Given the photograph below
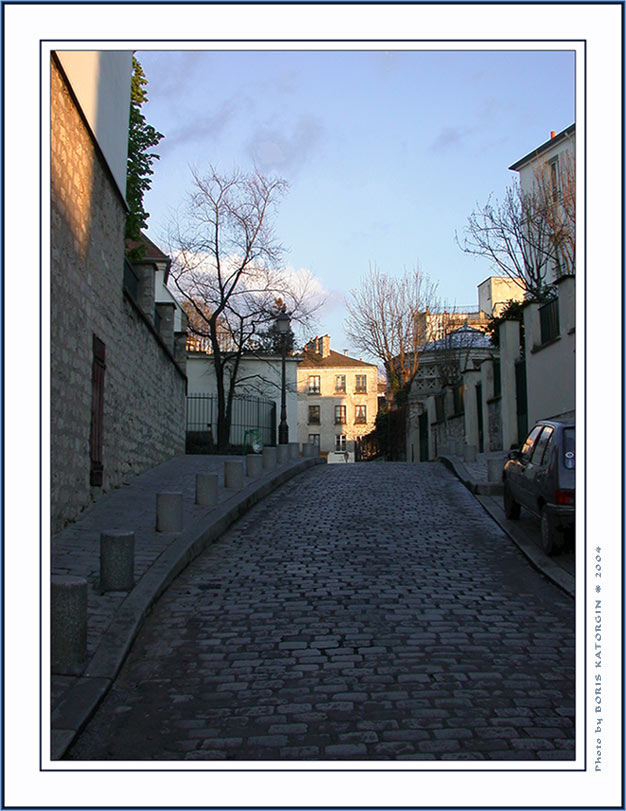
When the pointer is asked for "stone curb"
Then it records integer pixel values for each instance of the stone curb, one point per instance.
(483, 493)
(79, 702)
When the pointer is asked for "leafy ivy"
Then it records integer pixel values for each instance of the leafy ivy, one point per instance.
(142, 137)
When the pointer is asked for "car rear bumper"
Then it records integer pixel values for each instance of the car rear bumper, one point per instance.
(561, 516)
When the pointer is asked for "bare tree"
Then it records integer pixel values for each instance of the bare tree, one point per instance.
(387, 319)
(529, 234)
(227, 270)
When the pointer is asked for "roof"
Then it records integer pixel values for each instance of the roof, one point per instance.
(153, 252)
(566, 133)
(312, 360)
(463, 338)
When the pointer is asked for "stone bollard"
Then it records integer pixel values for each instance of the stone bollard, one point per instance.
(283, 454)
(269, 458)
(254, 465)
(206, 489)
(169, 508)
(68, 625)
(308, 449)
(469, 453)
(494, 470)
(117, 561)
(294, 450)
(233, 474)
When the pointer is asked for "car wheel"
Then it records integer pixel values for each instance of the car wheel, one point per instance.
(511, 507)
(550, 537)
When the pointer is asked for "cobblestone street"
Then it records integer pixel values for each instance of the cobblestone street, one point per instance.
(359, 612)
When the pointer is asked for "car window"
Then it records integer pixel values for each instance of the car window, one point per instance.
(529, 442)
(539, 454)
(569, 448)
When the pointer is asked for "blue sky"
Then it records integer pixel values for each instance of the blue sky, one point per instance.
(386, 152)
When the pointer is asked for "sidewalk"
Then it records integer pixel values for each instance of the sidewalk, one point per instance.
(114, 618)
(524, 532)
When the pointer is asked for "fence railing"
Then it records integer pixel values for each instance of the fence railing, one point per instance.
(248, 413)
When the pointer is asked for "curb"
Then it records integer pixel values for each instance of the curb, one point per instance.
(80, 700)
(483, 494)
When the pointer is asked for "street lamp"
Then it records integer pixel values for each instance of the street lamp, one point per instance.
(282, 324)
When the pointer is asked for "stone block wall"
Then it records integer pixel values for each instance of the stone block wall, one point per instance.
(494, 425)
(144, 390)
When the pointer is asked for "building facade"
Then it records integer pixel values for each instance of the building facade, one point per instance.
(337, 398)
(117, 389)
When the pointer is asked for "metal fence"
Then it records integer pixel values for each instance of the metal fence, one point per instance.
(248, 413)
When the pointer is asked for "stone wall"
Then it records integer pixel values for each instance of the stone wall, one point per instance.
(143, 390)
(443, 433)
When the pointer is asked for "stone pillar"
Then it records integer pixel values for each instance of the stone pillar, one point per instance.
(283, 454)
(206, 489)
(254, 465)
(308, 449)
(169, 509)
(165, 311)
(117, 561)
(509, 353)
(294, 450)
(68, 625)
(494, 470)
(233, 474)
(269, 458)
(469, 453)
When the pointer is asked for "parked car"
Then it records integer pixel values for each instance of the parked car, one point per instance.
(541, 476)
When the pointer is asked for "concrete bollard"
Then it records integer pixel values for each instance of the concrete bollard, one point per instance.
(269, 458)
(494, 470)
(254, 465)
(233, 474)
(68, 625)
(294, 450)
(308, 449)
(169, 509)
(283, 454)
(469, 453)
(117, 561)
(206, 489)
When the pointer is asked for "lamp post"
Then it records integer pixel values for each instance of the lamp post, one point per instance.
(282, 323)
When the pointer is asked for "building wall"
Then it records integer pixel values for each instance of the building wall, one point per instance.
(495, 292)
(144, 390)
(551, 368)
(264, 380)
(328, 399)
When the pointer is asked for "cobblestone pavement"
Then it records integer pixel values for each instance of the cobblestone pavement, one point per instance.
(360, 612)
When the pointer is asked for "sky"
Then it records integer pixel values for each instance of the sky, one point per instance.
(386, 153)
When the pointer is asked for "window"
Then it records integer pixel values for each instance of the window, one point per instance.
(314, 384)
(555, 189)
(540, 456)
(97, 412)
(340, 442)
(549, 321)
(340, 415)
(361, 414)
(314, 415)
(361, 384)
(314, 439)
(340, 383)
(529, 442)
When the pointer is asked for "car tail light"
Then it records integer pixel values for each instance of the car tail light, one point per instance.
(564, 496)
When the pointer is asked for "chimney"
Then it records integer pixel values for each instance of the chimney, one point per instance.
(324, 343)
(552, 134)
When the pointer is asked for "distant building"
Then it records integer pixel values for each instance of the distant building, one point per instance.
(337, 397)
